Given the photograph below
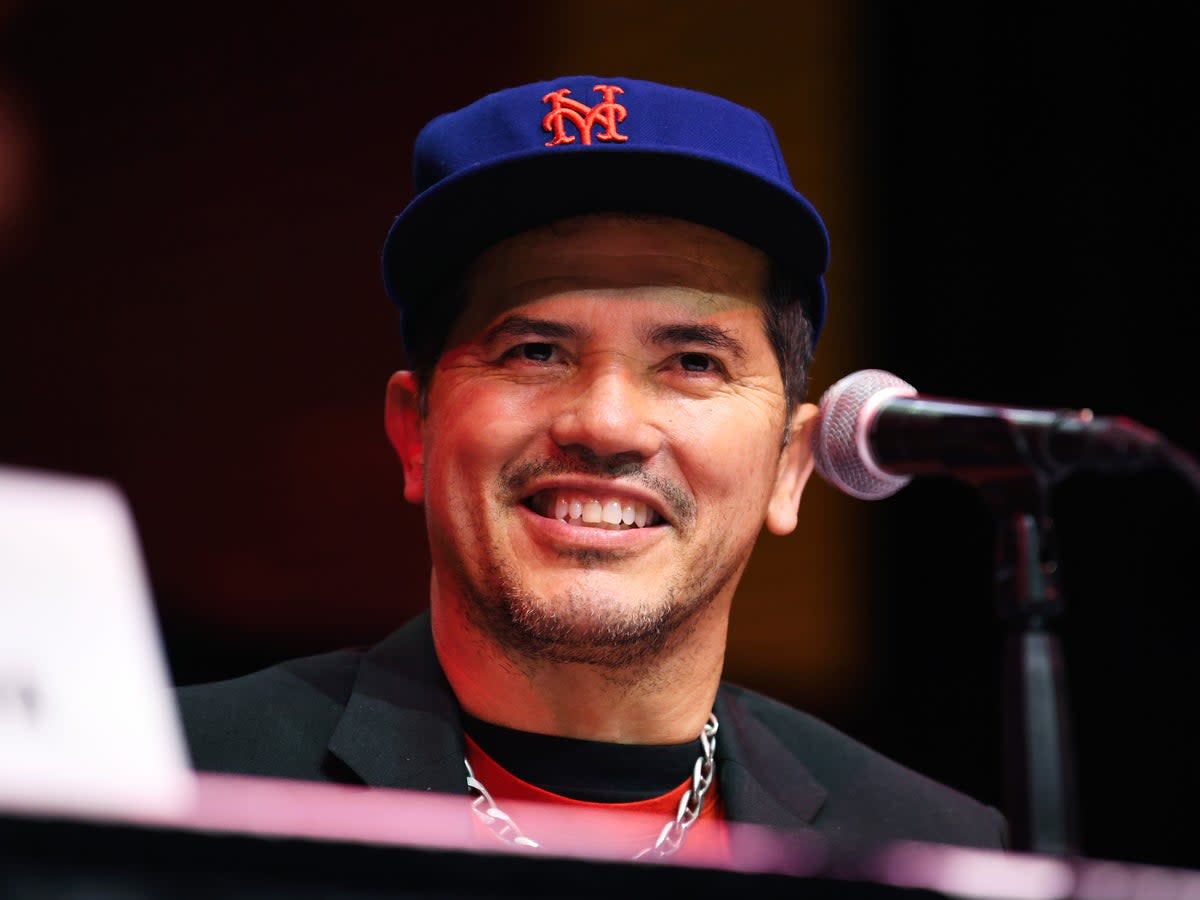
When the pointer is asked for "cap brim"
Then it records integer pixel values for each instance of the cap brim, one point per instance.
(449, 225)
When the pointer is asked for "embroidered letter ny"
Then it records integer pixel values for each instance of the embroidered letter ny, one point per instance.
(608, 113)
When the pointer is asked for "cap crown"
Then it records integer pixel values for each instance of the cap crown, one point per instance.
(528, 155)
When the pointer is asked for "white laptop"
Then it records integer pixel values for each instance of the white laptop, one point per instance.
(88, 725)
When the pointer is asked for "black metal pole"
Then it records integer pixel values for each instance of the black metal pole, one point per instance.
(1040, 774)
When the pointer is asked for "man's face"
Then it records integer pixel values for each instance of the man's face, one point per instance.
(604, 437)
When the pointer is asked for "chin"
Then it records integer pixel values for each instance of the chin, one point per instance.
(577, 624)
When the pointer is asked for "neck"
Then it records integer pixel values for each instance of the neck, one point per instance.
(665, 699)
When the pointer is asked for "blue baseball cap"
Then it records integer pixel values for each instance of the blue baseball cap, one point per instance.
(530, 155)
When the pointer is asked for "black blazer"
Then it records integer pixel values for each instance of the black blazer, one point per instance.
(386, 717)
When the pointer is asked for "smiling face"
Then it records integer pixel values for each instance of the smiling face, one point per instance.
(604, 438)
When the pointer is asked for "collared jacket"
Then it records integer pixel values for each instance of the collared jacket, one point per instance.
(387, 717)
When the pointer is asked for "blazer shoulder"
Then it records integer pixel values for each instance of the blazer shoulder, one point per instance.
(273, 722)
(868, 792)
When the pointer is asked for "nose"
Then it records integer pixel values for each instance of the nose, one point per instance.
(608, 414)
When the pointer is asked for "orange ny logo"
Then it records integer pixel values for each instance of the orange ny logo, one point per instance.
(607, 113)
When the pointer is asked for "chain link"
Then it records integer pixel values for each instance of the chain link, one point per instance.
(496, 819)
(669, 840)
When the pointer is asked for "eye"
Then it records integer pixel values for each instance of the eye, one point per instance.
(536, 352)
(697, 362)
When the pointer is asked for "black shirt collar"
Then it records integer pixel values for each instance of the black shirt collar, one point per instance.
(594, 771)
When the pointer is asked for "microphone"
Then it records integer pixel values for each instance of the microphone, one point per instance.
(874, 433)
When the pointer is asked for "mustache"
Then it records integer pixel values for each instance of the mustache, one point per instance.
(678, 504)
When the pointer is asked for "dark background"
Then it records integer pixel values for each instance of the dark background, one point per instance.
(191, 307)
(1038, 226)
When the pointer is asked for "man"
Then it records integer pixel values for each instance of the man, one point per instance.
(610, 292)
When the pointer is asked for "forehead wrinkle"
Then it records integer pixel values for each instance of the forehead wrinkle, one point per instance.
(617, 282)
(611, 258)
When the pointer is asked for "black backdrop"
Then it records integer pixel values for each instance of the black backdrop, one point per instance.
(1033, 235)
(1039, 243)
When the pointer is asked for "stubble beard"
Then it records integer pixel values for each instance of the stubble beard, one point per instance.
(580, 626)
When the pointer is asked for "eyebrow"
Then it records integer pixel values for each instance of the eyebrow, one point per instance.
(527, 326)
(697, 333)
(675, 334)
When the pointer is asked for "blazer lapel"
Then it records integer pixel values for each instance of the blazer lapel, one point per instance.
(760, 779)
(401, 726)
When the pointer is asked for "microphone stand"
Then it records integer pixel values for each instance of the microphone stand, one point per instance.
(1040, 775)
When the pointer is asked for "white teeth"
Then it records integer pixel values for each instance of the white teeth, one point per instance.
(607, 513)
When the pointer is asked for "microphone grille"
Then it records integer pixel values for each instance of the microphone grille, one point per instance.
(841, 454)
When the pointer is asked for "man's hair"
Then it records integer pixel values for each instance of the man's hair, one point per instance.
(786, 319)
(790, 331)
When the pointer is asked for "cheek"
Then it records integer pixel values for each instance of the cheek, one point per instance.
(732, 458)
(472, 432)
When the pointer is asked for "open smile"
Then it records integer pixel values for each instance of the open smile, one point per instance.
(610, 512)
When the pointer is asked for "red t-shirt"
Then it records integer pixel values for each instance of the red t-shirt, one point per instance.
(610, 830)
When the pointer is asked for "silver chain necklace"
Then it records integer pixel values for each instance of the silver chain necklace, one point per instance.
(669, 839)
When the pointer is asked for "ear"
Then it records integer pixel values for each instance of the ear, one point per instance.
(402, 419)
(795, 465)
